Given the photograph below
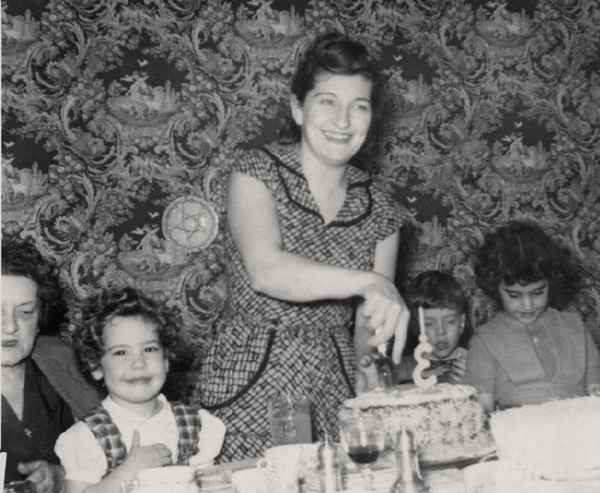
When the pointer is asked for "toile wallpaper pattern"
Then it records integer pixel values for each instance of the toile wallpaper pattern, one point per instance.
(121, 119)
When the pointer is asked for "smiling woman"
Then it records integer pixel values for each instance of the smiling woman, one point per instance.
(313, 242)
(42, 390)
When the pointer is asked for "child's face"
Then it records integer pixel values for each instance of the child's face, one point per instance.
(524, 303)
(133, 365)
(443, 327)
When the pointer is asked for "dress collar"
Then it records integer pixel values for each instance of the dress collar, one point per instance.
(358, 202)
(118, 412)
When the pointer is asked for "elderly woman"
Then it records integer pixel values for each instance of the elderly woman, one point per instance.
(314, 241)
(42, 390)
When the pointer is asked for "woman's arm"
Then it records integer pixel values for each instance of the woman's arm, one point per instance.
(252, 218)
(369, 316)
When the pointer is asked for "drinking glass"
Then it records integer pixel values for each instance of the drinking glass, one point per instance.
(289, 414)
(363, 439)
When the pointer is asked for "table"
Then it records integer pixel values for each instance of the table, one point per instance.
(448, 480)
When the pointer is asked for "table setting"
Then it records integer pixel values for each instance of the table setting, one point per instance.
(381, 451)
(259, 475)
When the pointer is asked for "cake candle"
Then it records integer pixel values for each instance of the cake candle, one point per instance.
(422, 363)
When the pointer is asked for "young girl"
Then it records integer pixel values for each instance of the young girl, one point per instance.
(445, 310)
(530, 352)
(124, 345)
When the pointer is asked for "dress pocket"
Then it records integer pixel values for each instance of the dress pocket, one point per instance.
(234, 364)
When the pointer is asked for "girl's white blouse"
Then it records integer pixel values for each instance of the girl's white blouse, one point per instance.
(84, 460)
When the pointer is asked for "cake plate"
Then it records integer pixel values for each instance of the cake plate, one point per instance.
(458, 462)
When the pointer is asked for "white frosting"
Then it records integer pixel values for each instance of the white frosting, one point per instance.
(410, 395)
(446, 420)
(554, 439)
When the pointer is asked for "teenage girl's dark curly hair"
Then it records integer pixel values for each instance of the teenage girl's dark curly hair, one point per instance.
(436, 289)
(88, 342)
(521, 252)
(335, 53)
(22, 258)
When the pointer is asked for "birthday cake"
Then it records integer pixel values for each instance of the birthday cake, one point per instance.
(447, 422)
(557, 439)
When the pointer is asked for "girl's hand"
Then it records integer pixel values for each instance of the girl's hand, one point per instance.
(48, 478)
(139, 458)
(385, 308)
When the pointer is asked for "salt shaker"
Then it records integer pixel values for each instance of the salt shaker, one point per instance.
(407, 459)
(329, 467)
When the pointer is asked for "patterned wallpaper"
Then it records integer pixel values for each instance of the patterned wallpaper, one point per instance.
(121, 119)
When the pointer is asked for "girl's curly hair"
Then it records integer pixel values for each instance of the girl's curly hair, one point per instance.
(88, 342)
(22, 258)
(520, 251)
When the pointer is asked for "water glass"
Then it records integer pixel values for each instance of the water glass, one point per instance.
(290, 419)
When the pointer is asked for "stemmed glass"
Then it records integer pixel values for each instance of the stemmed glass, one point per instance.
(363, 439)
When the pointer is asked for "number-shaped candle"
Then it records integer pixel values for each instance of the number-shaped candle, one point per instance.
(422, 363)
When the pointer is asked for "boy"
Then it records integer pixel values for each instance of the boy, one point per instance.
(445, 312)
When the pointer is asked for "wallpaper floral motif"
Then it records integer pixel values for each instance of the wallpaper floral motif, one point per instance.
(121, 119)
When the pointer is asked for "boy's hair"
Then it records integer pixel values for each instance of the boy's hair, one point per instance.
(435, 289)
(521, 252)
(88, 341)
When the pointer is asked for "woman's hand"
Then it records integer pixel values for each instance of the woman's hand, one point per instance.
(155, 455)
(367, 376)
(388, 316)
(48, 478)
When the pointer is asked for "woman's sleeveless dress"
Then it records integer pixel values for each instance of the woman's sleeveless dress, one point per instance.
(265, 345)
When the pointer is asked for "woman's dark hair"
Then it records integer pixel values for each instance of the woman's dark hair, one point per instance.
(436, 289)
(521, 252)
(22, 258)
(333, 53)
(88, 341)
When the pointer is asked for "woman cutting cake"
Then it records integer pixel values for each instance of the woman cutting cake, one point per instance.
(313, 241)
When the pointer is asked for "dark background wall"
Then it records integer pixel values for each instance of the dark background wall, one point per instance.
(120, 121)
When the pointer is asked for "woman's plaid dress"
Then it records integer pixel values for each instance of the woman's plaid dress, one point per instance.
(268, 345)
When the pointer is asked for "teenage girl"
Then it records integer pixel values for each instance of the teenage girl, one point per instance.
(532, 350)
